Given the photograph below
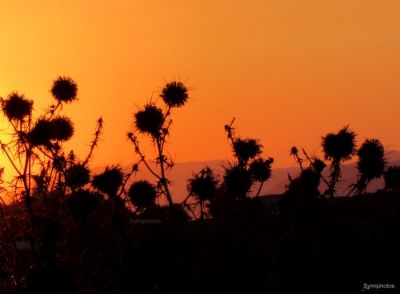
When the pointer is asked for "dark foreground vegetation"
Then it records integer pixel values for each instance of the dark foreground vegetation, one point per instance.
(69, 231)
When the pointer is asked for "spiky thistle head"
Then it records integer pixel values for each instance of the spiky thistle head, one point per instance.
(64, 89)
(63, 128)
(260, 169)
(142, 194)
(237, 180)
(246, 149)
(109, 181)
(174, 94)
(371, 159)
(41, 133)
(318, 165)
(77, 176)
(150, 120)
(294, 151)
(339, 146)
(16, 106)
(203, 184)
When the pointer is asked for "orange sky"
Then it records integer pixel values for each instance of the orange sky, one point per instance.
(290, 71)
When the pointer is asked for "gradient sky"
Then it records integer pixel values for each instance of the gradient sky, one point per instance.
(289, 70)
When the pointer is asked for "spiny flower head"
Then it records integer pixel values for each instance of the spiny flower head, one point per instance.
(371, 159)
(260, 169)
(150, 120)
(16, 106)
(63, 129)
(246, 149)
(109, 181)
(45, 130)
(175, 94)
(64, 89)
(237, 180)
(339, 146)
(77, 176)
(318, 165)
(41, 133)
(142, 194)
(203, 185)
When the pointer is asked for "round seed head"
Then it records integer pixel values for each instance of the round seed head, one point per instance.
(203, 185)
(175, 94)
(150, 120)
(41, 133)
(77, 176)
(142, 194)
(339, 146)
(318, 165)
(260, 169)
(109, 181)
(371, 159)
(246, 149)
(237, 180)
(63, 129)
(16, 107)
(64, 89)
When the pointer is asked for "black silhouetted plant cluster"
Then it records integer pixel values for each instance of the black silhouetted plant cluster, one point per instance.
(338, 148)
(70, 230)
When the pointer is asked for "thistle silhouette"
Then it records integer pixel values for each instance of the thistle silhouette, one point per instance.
(64, 90)
(16, 107)
(370, 164)
(337, 148)
(142, 194)
(309, 179)
(174, 94)
(155, 122)
(36, 151)
(248, 167)
(109, 181)
(203, 186)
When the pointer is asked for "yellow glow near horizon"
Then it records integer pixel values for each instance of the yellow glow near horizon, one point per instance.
(289, 71)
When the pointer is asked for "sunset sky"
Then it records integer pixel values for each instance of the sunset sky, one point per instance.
(289, 70)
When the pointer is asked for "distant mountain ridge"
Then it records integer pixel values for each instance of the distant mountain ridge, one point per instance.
(275, 185)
